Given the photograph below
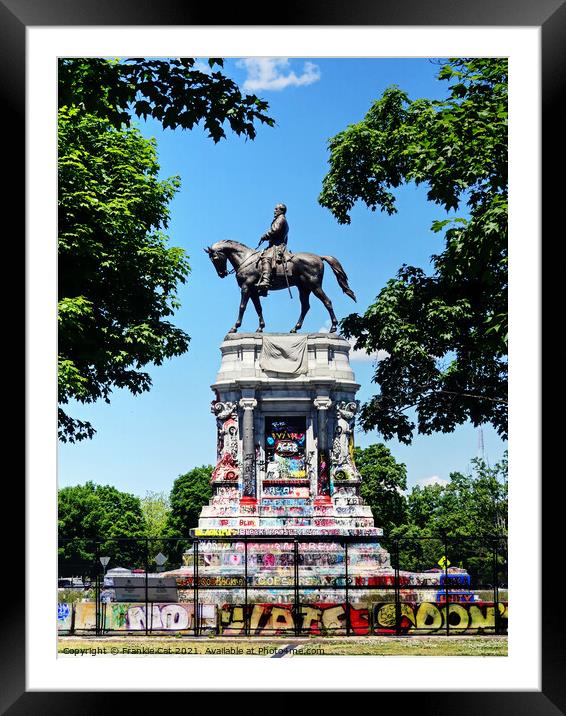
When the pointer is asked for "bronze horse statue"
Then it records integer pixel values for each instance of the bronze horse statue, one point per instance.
(303, 270)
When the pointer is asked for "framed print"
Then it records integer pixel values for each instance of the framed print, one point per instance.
(36, 34)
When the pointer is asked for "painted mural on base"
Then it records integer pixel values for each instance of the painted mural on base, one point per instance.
(133, 617)
(268, 619)
(324, 619)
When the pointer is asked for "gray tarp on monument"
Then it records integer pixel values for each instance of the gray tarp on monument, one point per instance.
(284, 354)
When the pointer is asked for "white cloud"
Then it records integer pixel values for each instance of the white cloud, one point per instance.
(358, 356)
(271, 73)
(204, 67)
(363, 357)
(433, 480)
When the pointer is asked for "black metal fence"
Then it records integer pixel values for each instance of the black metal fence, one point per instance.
(282, 585)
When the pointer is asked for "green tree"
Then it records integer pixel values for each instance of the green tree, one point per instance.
(423, 504)
(174, 91)
(117, 277)
(470, 512)
(383, 483)
(190, 492)
(93, 513)
(445, 333)
(420, 548)
(156, 508)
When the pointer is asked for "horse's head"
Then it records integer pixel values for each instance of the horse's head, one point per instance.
(219, 260)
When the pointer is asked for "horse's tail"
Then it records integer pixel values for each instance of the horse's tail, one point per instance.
(340, 274)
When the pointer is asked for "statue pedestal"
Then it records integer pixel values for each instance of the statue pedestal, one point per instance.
(286, 534)
(285, 408)
(322, 500)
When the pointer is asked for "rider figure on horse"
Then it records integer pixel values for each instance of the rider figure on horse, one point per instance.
(277, 237)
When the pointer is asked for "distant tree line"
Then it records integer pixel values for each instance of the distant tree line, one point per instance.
(468, 511)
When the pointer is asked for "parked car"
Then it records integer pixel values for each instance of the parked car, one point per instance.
(73, 583)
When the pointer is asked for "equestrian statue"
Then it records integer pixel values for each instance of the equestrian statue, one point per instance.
(274, 269)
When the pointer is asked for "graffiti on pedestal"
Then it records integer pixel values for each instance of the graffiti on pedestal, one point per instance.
(285, 439)
(342, 456)
(249, 474)
(135, 617)
(432, 617)
(64, 616)
(287, 491)
(323, 485)
(227, 468)
(269, 619)
(284, 619)
(331, 619)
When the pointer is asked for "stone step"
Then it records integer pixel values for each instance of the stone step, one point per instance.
(285, 501)
(282, 532)
(274, 524)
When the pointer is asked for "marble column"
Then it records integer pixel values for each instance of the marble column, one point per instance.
(322, 404)
(248, 450)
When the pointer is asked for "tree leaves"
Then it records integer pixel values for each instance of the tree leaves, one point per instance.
(190, 492)
(171, 91)
(469, 510)
(458, 148)
(93, 512)
(117, 277)
(383, 482)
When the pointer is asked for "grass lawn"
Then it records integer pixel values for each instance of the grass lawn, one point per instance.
(292, 647)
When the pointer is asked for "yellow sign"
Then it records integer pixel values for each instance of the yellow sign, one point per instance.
(225, 532)
(443, 562)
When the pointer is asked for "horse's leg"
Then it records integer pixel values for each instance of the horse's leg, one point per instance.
(243, 303)
(257, 305)
(319, 293)
(305, 305)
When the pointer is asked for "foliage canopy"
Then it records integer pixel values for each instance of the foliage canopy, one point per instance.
(155, 509)
(445, 334)
(90, 512)
(190, 492)
(118, 278)
(383, 482)
(178, 92)
(470, 511)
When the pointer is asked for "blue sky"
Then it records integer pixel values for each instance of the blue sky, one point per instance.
(228, 191)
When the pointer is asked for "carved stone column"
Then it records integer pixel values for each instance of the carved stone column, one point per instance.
(227, 443)
(322, 404)
(248, 450)
(344, 469)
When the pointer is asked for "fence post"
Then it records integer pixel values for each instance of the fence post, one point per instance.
(296, 606)
(246, 620)
(495, 588)
(195, 584)
(347, 592)
(397, 592)
(446, 595)
(147, 616)
(97, 589)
